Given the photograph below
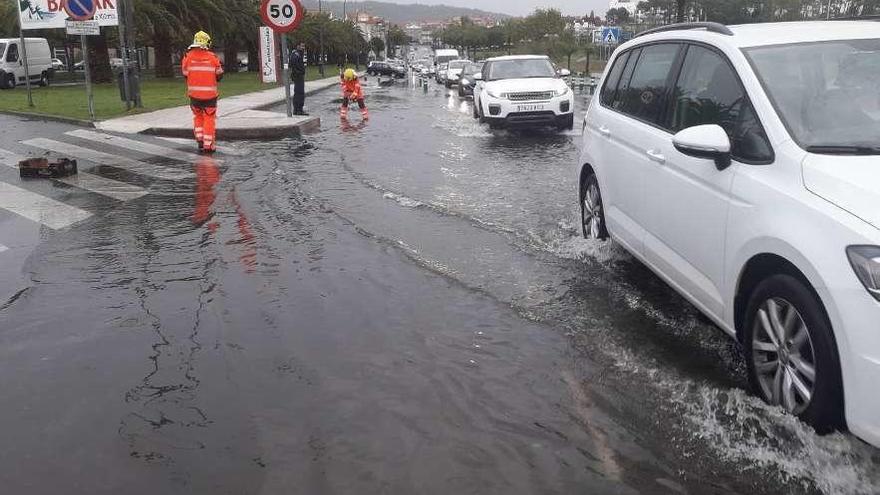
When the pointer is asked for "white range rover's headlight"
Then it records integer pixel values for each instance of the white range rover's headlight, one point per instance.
(865, 261)
(562, 92)
(495, 94)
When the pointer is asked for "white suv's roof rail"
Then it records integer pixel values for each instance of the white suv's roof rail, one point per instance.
(712, 27)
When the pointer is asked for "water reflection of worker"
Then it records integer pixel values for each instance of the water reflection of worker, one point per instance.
(207, 177)
(352, 91)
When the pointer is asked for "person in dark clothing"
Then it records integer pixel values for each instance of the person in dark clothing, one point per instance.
(298, 76)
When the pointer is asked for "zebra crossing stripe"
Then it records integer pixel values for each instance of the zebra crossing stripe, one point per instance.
(226, 150)
(131, 144)
(133, 166)
(92, 183)
(53, 214)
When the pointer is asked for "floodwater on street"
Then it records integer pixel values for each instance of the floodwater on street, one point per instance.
(403, 305)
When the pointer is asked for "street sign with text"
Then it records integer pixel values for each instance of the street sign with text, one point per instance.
(83, 28)
(283, 16)
(50, 14)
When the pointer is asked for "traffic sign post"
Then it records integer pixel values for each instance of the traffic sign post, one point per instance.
(82, 11)
(283, 16)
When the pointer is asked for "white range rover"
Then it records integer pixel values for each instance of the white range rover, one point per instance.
(742, 165)
(523, 90)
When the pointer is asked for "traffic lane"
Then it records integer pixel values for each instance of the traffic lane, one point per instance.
(424, 154)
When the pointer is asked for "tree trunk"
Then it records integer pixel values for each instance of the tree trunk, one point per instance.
(253, 58)
(230, 55)
(99, 59)
(164, 66)
(679, 10)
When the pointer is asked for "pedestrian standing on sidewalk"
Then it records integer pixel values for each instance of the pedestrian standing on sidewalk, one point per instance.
(298, 76)
(203, 72)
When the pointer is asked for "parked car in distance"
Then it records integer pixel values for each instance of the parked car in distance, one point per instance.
(440, 77)
(385, 68)
(453, 71)
(469, 77)
(523, 90)
(12, 70)
(740, 164)
(58, 65)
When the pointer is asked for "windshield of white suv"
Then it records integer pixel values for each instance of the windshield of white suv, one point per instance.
(826, 93)
(459, 64)
(521, 69)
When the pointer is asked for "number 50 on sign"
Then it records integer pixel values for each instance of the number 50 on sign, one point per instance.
(282, 16)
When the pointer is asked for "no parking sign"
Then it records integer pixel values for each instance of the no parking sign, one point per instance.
(283, 16)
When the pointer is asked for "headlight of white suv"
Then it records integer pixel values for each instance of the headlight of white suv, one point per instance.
(495, 94)
(562, 92)
(865, 261)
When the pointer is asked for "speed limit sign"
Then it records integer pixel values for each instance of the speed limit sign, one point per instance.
(283, 16)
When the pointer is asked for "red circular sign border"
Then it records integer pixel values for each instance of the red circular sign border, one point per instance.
(264, 13)
(89, 17)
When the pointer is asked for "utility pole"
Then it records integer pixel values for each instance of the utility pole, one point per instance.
(126, 84)
(321, 38)
(829, 10)
(22, 55)
(131, 40)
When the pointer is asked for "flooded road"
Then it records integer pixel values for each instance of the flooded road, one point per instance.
(398, 306)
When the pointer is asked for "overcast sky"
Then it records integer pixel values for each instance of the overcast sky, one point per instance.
(523, 7)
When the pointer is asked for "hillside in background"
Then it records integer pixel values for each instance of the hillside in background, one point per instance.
(401, 13)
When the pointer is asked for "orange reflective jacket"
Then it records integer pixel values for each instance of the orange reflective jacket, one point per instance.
(201, 69)
(352, 89)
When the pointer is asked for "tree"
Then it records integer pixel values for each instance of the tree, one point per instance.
(377, 45)
(396, 37)
(617, 16)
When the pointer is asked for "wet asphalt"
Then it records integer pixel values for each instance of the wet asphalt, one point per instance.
(396, 306)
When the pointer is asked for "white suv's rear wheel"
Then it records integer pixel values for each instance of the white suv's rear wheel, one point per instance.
(592, 209)
(791, 352)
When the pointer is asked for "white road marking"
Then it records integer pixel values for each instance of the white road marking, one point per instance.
(131, 144)
(53, 214)
(89, 182)
(133, 166)
(226, 150)
(3, 248)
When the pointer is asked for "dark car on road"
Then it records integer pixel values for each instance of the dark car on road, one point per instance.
(386, 69)
(469, 77)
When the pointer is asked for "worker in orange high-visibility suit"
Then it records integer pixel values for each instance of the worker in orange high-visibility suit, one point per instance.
(352, 91)
(203, 72)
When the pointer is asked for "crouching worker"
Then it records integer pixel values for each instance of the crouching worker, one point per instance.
(203, 71)
(352, 91)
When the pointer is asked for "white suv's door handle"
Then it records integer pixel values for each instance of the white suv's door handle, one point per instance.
(604, 131)
(656, 156)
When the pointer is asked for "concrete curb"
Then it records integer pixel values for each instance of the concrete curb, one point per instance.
(242, 133)
(50, 118)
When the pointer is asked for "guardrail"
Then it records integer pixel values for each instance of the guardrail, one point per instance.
(582, 84)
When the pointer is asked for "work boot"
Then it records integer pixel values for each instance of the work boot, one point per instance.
(343, 113)
(365, 114)
(201, 145)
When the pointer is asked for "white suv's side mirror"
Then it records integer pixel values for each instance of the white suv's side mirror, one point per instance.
(705, 141)
(564, 72)
(478, 76)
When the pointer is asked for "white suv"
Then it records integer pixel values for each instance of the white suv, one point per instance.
(742, 165)
(523, 90)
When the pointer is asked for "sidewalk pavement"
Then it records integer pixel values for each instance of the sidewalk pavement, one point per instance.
(238, 117)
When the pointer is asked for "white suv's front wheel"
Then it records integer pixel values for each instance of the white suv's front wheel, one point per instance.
(592, 210)
(791, 352)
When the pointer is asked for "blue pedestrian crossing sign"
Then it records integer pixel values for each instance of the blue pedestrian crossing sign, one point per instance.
(610, 35)
(81, 10)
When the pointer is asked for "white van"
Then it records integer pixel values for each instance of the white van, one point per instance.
(12, 62)
(445, 56)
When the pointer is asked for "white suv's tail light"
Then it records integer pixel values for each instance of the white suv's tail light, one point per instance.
(866, 262)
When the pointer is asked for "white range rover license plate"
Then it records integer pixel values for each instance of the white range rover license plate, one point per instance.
(529, 108)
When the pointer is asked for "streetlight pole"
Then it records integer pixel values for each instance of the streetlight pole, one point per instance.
(829, 10)
(321, 38)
